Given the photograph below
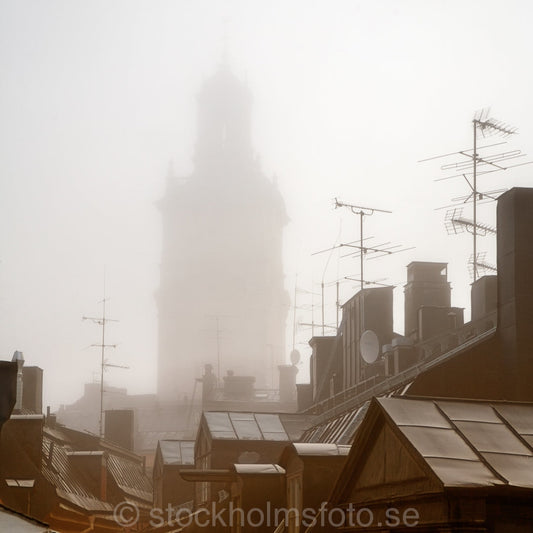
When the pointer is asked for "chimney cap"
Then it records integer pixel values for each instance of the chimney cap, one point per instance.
(27, 417)
(18, 356)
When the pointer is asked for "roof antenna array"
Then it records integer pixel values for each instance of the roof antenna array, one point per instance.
(481, 264)
(472, 166)
(363, 250)
(455, 223)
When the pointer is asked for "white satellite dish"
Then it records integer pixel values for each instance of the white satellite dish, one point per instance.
(369, 346)
(295, 357)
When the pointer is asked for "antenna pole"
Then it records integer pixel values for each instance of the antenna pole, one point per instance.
(474, 166)
(361, 215)
(361, 211)
(312, 311)
(102, 366)
(338, 304)
(322, 287)
(218, 350)
(294, 313)
(475, 198)
(102, 321)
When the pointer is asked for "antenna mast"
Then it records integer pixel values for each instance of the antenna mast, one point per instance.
(489, 126)
(364, 249)
(102, 321)
(471, 169)
(362, 212)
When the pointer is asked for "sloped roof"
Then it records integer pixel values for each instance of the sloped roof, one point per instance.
(245, 426)
(57, 469)
(70, 483)
(129, 476)
(340, 429)
(15, 522)
(468, 443)
(177, 452)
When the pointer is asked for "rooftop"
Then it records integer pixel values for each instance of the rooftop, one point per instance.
(245, 426)
(177, 452)
(468, 443)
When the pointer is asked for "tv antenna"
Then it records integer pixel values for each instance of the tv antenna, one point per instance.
(456, 223)
(481, 264)
(365, 250)
(362, 212)
(472, 166)
(102, 321)
(303, 307)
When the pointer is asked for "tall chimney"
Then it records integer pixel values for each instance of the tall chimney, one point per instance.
(287, 383)
(515, 292)
(18, 357)
(119, 427)
(32, 394)
(427, 285)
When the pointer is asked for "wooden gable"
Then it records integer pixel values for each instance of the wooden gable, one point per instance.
(383, 465)
(388, 469)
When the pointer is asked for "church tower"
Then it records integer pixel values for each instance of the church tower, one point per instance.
(221, 299)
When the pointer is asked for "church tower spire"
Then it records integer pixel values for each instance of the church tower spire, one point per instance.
(224, 125)
(222, 253)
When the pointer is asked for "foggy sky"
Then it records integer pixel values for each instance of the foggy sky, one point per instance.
(96, 97)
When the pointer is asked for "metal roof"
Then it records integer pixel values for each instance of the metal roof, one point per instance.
(70, 483)
(57, 469)
(130, 477)
(245, 426)
(469, 443)
(15, 522)
(318, 449)
(340, 429)
(258, 469)
(177, 452)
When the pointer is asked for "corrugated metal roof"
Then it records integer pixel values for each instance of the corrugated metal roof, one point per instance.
(340, 429)
(469, 443)
(57, 469)
(70, 484)
(177, 452)
(129, 476)
(245, 426)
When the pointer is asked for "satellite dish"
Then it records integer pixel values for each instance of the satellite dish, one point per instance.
(369, 346)
(295, 357)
